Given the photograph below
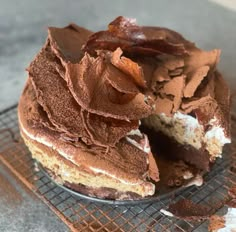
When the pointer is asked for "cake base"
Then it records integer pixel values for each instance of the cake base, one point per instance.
(175, 176)
(66, 172)
(172, 172)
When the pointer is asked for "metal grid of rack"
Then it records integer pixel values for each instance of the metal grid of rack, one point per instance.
(83, 215)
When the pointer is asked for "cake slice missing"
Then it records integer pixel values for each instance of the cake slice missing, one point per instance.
(192, 108)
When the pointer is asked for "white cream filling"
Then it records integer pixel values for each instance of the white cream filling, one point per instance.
(186, 129)
(215, 138)
(146, 148)
(197, 180)
(97, 170)
(230, 221)
(188, 175)
(135, 132)
(167, 213)
(218, 133)
(134, 143)
(47, 143)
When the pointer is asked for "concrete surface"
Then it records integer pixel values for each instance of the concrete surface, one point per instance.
(23, 29)
(21, 211)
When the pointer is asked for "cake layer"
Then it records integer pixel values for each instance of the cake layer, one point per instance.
(187, 131)
(126, 163)
(97, 184)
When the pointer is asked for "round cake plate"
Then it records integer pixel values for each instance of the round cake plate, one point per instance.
(162, 193)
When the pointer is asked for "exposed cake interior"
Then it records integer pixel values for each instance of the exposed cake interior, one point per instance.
(191, 100)
(192, 106)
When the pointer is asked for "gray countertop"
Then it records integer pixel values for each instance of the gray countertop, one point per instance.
(23, 29)
(21, 211)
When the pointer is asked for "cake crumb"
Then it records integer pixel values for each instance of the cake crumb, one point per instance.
(215, 223)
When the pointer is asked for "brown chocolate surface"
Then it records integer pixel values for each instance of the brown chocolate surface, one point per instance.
(95, 94)
(53, 95)
(132, 39)
(186, 209)
(67, 42)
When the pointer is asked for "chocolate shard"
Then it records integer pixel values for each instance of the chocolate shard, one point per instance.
(189, 106)
(129, 67)
(125, 28)
(222, 96)
(207, 87)
(195, 80)
(132, 39)
(198, 58)
(172, 62)
(160, 75)
(89, 86)
(66, 42)
(53, 95)
(175, 88)
(204, 108)
(120, 80)
(162, 33)
(164, 105)
(106, 131)
(33, 112)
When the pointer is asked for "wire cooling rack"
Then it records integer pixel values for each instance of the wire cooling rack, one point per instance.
(83, 215)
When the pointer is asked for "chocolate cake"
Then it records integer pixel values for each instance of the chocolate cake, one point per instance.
(93, 101)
